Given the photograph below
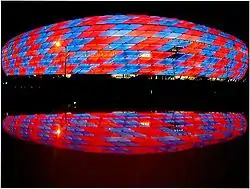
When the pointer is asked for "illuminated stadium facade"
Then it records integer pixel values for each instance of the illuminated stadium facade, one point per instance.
(127, 45)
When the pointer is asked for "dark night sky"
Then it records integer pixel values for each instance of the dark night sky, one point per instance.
(230, 17)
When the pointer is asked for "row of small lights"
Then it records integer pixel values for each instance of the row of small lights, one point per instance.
(146, 123)
(67, 75)
(5, 83)
(27, 87)
(127, 76)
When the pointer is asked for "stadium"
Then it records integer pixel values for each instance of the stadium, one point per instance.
(125, 46)
(125, 94)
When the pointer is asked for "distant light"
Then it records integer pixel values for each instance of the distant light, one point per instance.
(74, 102)
(34, 75)
(118, 112)
(183, 77)
(151, 91)
(117, 76)
(6, 83)
(58, 44)
(68, 75)
(127, 76)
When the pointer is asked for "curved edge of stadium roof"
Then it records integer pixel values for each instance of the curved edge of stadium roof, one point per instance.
(226, 34)
(25, 34)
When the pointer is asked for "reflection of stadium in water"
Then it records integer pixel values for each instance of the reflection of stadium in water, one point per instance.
(127, 132)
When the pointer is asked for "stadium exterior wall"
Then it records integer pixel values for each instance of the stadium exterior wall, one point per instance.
(126, 44)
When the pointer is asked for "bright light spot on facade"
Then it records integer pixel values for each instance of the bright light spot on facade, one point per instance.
(58, 44)
(145, 123)
(146, 55)
(58, 131)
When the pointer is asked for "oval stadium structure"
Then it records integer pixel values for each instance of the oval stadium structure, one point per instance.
(126, 44)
